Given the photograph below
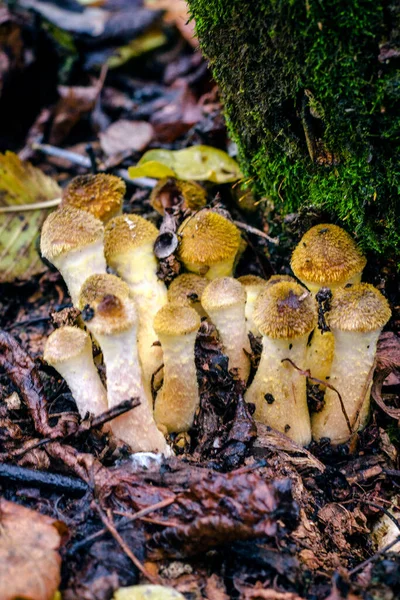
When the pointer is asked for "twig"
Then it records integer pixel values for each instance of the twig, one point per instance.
(34, 206)
(60, 483)
(307, 374)
(72, 157)
(26, 322)
(111, 528)
(257, 232)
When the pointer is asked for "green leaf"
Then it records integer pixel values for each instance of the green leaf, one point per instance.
(147, 592)
(202, 163)
(21, 183)
(147, 42)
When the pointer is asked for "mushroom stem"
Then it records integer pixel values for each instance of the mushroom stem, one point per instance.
(279, 391)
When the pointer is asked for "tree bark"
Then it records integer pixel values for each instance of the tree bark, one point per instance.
(311, 92)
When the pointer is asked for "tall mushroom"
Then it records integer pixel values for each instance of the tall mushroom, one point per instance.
(129, 242)
(69, 351)
(109, 312)
(224, 300)
(101, 194)
(73, 241)
(285, 314)
(326, 256)
(186, 290)
(178, 399)
(356, 318)
(208, 244)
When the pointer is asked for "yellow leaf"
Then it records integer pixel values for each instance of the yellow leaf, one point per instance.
(152, 39)
(152, 168)
(21, 183)
(202, 163)
(147, 592)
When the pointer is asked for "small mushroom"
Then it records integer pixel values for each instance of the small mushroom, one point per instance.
(208, 244)
(101, 194)
(224, 300)
(109, 312)
(69, 351)
(178, 399)
(253, 286)
(356, 318)
(129, 242)
(285, 313)
(326, 256)
(186, 290)
(171, 193)
(73, 241)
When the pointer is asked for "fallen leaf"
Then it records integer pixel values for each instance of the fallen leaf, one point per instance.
(152, 39)
(197, 162)
(147, 592)
(123, 136)
(74, 102)
(90, 21)
(176, 118)
(21, 183)
(177, 12)
(29, 561)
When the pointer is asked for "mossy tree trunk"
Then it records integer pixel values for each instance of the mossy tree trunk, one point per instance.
(311, 91)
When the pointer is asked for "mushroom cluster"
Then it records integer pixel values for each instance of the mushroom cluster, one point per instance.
(143, 328)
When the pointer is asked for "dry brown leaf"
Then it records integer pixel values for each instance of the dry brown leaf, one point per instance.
(177, 13)
(29, 561)
(126, 136)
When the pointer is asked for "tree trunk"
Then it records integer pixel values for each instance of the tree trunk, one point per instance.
(311, 92)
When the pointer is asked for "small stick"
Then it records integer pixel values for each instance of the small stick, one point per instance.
(72, 157)
(35, 206)
(257, 232)
(30, 477)
(111, 528)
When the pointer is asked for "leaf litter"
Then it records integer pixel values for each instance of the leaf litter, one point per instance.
(241, 511)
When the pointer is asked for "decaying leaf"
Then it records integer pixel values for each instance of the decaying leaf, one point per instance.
(21, 183)
(152, 39)
(147, 592)
(123, 136)
(202, 163)
(29, 561)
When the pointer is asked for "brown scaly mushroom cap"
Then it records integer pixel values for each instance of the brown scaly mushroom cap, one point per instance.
(206, 239)
(279, 278)
(285, 311)
(100, 194)
(126, 233)
(106, 301)
(223, 293)
(359, 307)
(69, 229)
(325, 255)
(251, 280)
(66, 343)
(187, 289)
(169, 191)
(176, 320)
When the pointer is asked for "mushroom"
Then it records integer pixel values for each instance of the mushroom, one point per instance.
(101, 194)
(285, 313)
(178, 399)
(72, 240)
(208, 244)
(186, 290)
(224, 301)
(253, 286)
(69, 351)
(109, 311)
(326, 256)
(356, 318)
(129, 242)
(170, 193)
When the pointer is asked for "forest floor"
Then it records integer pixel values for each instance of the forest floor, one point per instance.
(240, 511)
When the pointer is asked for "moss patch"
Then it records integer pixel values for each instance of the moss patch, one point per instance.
(311, 92)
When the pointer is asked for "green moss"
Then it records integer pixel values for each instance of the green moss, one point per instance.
(313, 104)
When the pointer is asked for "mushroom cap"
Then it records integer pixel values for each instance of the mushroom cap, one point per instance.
(222, 293)
(107, 304)
(68, 229)
(327, 254)
(187, 289)
(279, 278)
(66, 343)
(170, 191)
(252, 281)
(285, 311)
(207, 238)
(360, 307)
(126, 233)
(100, 194)
(172, 320)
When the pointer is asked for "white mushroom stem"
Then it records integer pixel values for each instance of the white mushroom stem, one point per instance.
(231, 325)
(178, 399)
(137, 427)
(351, 375)
(279, 389)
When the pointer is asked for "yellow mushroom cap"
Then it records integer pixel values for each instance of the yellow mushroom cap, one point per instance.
(107, 304)
(252, 280)
(187, 289)
(100, 194)
(68, 229)
(126, 233)
(285, 311)
(279, 278)
(193, 196)
(176, 320)
(360, 307)
(222, 293)
(327, 254)
(66, 343)
(207, 238)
